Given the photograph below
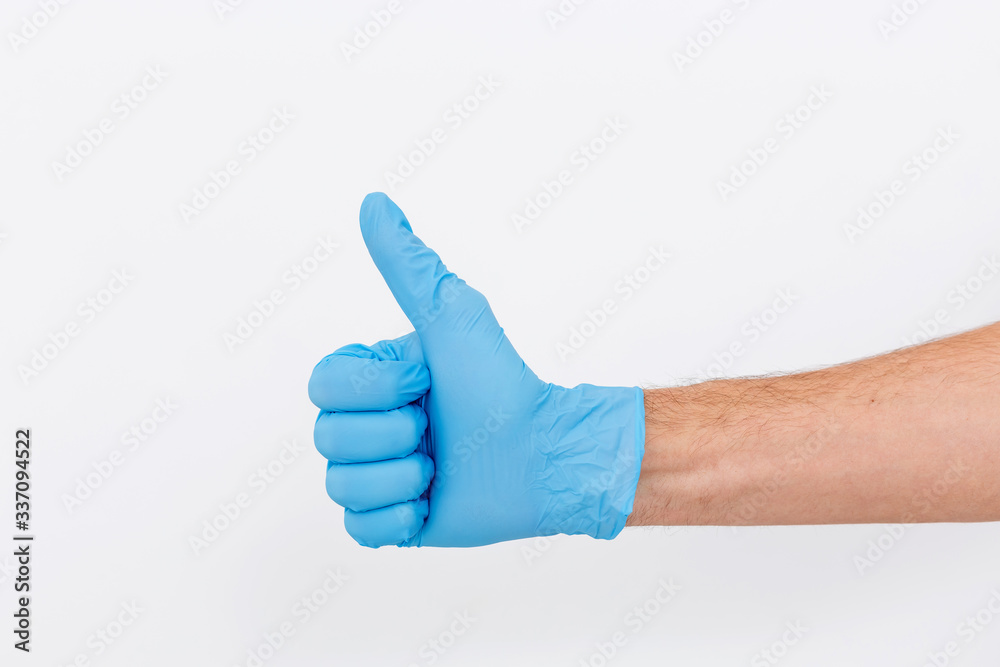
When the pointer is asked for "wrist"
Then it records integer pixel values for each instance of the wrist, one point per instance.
(676, 476)
(727, 452)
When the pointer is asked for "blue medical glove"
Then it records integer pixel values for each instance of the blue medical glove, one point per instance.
(444, 437)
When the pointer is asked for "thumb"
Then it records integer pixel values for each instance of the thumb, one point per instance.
(429, 294)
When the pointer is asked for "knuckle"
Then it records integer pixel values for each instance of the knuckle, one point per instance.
(338, 486)
(355, 528)
(325, 436)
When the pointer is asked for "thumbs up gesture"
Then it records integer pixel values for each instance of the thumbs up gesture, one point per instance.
(445, 437)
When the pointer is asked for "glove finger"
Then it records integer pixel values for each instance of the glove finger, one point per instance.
(435, 300)
(368, 486)
(356, 437)
(388, 375)
(387, 525)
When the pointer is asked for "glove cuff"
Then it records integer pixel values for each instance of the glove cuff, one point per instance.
(596, 458)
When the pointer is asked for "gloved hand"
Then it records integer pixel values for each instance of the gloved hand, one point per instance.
(444, 437)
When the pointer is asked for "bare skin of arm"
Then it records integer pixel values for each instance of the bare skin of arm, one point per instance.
(907, 437)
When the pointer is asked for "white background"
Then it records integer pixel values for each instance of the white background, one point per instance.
(542, 602)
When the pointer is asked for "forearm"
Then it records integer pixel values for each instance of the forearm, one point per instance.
(910, 436)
